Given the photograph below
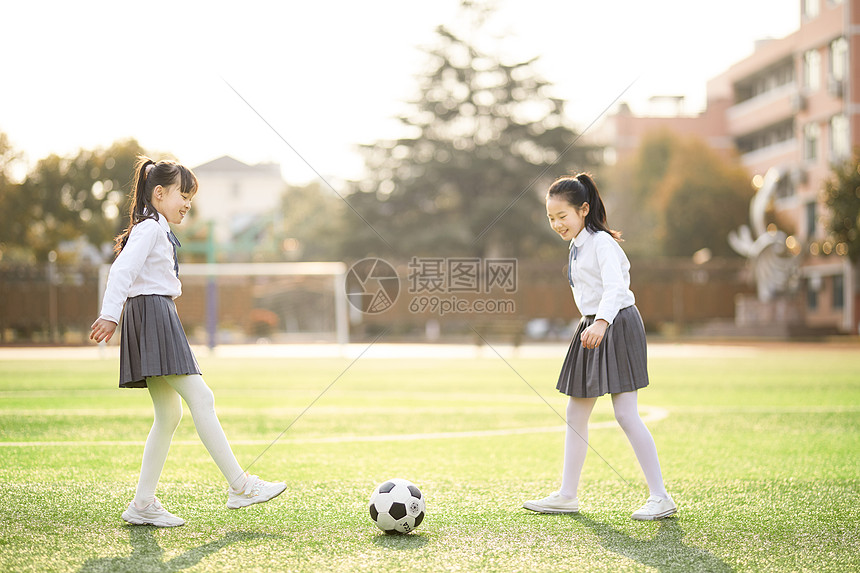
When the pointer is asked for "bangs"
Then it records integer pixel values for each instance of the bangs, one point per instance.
(187, 181)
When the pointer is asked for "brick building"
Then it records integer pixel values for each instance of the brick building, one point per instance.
(793, 105)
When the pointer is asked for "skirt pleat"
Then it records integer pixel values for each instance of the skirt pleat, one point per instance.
(619, 364)
(153, 342)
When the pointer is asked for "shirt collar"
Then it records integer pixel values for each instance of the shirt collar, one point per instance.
(581, 238)
(162, 222)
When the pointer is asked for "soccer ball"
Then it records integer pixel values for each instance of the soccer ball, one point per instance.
(397, 506)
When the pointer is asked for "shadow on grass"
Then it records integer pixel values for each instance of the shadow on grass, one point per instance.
(147, 556)
(401, 542)
(665, 552)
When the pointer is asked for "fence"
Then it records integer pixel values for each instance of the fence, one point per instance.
(55, 304)
(671, 294)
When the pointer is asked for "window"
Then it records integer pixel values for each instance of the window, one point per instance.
(840, 144)
(785, 74)
(810, 8)
(810, 220)
(773, 135)
(838, 292)
(765, 81)
(811, 134)
(811, 296)
(785, 187)
(812, 70)
(839, 59)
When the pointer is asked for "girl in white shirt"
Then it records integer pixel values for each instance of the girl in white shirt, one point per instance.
(154, 352)
(608, 351)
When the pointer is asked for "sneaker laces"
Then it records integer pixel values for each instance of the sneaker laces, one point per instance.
(251, 488)
(653, 501)
(154, 504)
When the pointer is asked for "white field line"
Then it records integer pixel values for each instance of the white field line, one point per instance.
(555, 351)
(371, 410)
(278, 412)
(649, 414)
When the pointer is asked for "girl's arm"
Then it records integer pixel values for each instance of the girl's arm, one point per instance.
(126, 268)
(615, 288)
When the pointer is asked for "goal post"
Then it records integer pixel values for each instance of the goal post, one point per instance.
(266, 296)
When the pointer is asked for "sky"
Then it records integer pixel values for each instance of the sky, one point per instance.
(328, 75)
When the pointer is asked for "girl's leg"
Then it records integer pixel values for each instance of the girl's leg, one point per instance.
(575, 443)
(627, 414)
(168, 411)
(201, 403)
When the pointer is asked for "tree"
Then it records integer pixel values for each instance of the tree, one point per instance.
(632, 187)
(8, 195)
(683, 196)
(842, 193)
(311, 218)
(703, 198)
(463, 179)
(64, 199)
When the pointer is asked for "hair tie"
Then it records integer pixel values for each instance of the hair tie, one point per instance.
(147, 169)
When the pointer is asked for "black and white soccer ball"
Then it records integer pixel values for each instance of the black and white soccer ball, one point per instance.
(397, 506)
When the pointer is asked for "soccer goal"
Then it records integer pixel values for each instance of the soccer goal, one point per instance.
(241, 303)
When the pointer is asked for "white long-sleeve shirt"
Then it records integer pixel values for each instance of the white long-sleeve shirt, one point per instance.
(599, 274)
(144, 266)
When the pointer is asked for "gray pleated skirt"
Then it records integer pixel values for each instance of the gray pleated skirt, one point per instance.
(153, 342)
(619, 364)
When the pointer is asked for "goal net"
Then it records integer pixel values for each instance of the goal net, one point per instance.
(241, 303)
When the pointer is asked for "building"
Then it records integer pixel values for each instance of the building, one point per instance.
(792, 105)
(237, 197)
(623, 131)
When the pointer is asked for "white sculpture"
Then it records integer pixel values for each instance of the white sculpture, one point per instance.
(774, 266)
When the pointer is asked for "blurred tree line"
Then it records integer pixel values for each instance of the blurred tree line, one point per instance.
(482, 140)
(842, 196)
(64, 200)
(677, 196)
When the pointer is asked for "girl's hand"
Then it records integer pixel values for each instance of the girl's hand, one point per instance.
(102, 330)
(593, 335)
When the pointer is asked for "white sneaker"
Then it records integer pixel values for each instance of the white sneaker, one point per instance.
(655, 508)
(553, 503)
(255, 491)
(152, 514)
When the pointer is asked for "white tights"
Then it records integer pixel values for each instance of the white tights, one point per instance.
(166, 392)
(627, 415)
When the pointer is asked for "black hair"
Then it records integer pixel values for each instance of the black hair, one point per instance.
(148, 175)
(579, 189)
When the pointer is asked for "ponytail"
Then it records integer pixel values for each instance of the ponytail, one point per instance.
(580, 189)
(147, 176)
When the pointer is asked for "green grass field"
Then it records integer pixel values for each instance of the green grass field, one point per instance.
(759, 447)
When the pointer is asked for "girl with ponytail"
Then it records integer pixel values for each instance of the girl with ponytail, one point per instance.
(608, 351)
(147, 176)
(154, 351)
